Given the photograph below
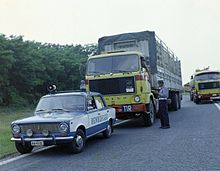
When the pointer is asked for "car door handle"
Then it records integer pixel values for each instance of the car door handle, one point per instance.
(107, 111)
(99, 114)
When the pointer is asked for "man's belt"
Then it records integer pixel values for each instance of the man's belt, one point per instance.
(162, 98)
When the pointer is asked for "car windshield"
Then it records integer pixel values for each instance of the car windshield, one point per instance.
(208, 76)
(113, 64)
(61, 103)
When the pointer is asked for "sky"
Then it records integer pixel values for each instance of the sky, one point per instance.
(190, 28)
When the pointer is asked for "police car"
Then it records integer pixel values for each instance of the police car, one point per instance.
(67, 118)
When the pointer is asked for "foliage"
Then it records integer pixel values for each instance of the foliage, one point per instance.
(27, 67)
(7, 115)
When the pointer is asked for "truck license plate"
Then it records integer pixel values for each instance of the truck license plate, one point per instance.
(127, 108)
(37, 143)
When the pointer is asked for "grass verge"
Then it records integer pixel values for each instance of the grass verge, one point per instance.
(7, 115)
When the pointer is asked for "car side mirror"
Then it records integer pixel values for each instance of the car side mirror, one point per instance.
(90, 108)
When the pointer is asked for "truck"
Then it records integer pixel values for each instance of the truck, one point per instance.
(126, 71)
(205, 85)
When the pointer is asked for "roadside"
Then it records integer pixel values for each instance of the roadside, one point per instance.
(7, 115)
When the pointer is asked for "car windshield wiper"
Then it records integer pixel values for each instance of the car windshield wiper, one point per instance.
(60, 109)
(42, 110)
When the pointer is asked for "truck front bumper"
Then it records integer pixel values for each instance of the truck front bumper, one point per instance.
(129, 110)
(209, 97)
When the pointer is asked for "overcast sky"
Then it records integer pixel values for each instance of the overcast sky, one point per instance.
(191, 28)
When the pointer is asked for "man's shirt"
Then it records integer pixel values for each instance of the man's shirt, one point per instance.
(164, 92)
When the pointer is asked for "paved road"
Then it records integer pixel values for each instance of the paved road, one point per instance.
(192, 143)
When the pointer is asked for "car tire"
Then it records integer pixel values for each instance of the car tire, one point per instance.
(149, 118)
(78, 143)
(23, 149)
(108, 131)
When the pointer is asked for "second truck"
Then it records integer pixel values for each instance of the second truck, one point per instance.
(126, 72)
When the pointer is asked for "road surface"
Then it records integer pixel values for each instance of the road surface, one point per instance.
(192, 143)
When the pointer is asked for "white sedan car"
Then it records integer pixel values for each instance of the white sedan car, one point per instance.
(64, 118)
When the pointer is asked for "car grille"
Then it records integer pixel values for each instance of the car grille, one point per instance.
(112, 85)
(38, 128)
(209, 85)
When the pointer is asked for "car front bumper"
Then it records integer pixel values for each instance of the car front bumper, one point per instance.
(46, 140)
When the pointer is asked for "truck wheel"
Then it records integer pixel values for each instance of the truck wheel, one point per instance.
(109, 129)
(191, 97)
(174, 101)
(78, 143)
(148, 118)
(26, 148)
(197, 101)
(179, 101)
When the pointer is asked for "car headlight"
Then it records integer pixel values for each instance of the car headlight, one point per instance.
(137, 99)
(16, 129)
(63, 127)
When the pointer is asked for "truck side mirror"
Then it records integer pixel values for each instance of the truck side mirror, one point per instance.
(143, 69)
(191, 77)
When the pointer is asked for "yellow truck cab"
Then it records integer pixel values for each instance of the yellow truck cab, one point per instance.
(205, 85)
(123, 79)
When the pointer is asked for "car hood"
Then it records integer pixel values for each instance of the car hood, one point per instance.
(49, 117)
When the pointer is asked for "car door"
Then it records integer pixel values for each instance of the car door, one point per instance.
(102, 112)
(93, 116)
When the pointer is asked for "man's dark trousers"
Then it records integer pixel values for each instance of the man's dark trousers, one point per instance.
(163, 111)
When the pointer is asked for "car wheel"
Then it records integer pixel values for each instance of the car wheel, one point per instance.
(148, 118)
(78, 143)
(26, 148)
(109, 129)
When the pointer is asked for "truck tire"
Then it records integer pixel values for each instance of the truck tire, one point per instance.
(197, 101)
(109, 129)
(149, 118)
(191, 97)
(179, 100)
(23, 149)
(174, 101)
(78, 143)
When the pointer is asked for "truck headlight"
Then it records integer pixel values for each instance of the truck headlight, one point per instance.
(15, 129)
(137, 99)
(63, 127)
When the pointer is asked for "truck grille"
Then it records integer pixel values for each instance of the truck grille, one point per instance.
(38, 128)
(209, 85)
(113, 85)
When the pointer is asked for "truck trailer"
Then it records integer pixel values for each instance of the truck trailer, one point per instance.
(127, 71)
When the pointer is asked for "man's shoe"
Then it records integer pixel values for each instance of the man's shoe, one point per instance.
(165, 127)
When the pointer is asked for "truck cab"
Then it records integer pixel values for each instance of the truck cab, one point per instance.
(123, 79)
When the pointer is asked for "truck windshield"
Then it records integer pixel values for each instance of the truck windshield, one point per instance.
(61, 103)
(113, 64)
(208, 76)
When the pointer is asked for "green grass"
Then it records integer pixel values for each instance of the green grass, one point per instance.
(7, 115)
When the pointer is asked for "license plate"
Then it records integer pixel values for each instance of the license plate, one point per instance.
(37, 143)
(127, 108)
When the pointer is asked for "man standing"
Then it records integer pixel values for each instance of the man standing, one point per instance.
(163, 106)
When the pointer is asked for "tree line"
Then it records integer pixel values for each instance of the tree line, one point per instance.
(28, 67)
